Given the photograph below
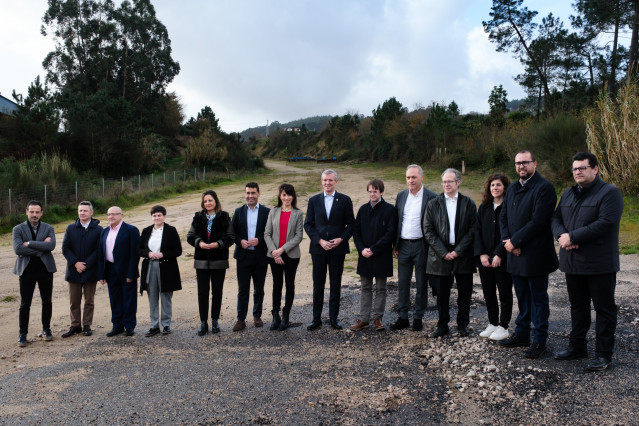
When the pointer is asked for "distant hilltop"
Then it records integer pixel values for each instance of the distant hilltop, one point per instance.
(315, 124)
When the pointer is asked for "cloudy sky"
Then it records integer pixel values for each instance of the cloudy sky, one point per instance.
(258, 60)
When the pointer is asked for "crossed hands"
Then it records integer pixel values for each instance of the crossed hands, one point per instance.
(328, 245)
(565, 243)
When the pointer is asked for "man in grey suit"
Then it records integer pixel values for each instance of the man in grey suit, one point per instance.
(33, 242)
(411, 248)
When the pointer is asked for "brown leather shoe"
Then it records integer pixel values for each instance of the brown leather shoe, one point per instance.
(377, 323)
(359, 325)
(239, 325)
(257, 321)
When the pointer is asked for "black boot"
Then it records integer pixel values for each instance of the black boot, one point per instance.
(276, 320)
(204, 328)
(284, 324)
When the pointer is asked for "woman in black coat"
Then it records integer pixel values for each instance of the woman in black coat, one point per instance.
(211, 234)
(159, 248)
(490, 257)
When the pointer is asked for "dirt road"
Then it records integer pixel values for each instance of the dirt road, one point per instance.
(264, 377)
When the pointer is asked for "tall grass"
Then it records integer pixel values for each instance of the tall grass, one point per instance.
(613, 136)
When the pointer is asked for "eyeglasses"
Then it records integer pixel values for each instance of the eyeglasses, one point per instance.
(114, 214)
(579, 169)
(448, 182)
(522, 163)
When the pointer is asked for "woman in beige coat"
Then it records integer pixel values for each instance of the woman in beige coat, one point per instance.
(283, 235)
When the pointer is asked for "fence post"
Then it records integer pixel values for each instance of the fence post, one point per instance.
(165, 177)
(173, 177)
(184, 175)
(152, 181)
(9, 201)
(195, 174)
(122, 183)
(203, 173)
(139, 184)
(45, 195)
(102, 187)
(76, 192)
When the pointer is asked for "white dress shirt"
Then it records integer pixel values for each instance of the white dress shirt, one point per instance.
(412, 216)
(451, 208)
(251, 222)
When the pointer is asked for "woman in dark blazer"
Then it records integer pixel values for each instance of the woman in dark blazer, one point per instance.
(490, 256)
(159, 248)
(283, 235)
(211, 234)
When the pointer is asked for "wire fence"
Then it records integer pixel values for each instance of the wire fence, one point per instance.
(14, 201)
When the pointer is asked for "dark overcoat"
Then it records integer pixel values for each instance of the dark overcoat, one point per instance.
(375, 228)
(81, 245)
(525, 221)
(171, 249)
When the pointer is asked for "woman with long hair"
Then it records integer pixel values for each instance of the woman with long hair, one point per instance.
(283, 234)
(211, 234)
(491, 258)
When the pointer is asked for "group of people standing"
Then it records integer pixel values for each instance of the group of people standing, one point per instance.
(438, 239)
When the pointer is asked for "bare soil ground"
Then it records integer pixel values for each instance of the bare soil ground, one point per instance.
(296, 376)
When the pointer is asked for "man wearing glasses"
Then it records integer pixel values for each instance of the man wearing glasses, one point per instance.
(586, 225)
(525, 227)
(118, 268)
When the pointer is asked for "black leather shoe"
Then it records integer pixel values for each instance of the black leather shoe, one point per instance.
(400, 324)
(535, 350)
(71, 332)
(129, 332)
(463, 332)
(598, 363)
(336, 325)
(151, 332)
(418, 325)
(514, 341)
(314, 325)
(285, 322)
(277, 320)
(215, 327)
(87, 331)
(204, 328)
(440, 332)
(571, 353)
(115, 332)
(166, 330)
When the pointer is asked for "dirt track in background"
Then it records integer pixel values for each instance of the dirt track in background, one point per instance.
(264, 377)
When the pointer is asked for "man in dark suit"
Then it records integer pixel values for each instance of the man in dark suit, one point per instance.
(525, 228)
(33, 242)
(118, 267)
(329, 224)
(249, 222)
(411, 247)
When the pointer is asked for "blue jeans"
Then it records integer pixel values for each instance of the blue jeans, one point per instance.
(532, 300)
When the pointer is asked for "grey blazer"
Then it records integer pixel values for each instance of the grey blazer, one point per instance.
(40, 248)
(400, 202)
(294, 232)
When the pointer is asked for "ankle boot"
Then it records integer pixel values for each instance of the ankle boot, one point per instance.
(276, 320)
(284, 324)
(204, 328)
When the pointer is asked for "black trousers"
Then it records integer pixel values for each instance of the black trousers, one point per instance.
(335, 264)
(210, 280)
(32, 275)
(600, 289)
(493, 279)
(464, 292)
(251, 267)
(280, 273)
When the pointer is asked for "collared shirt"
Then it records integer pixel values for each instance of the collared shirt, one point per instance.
(251, 222)
(523, 182)
(86, 225)
(155, 240)
(451, 208)
(412, 216)
(328, 203)
(110, 242)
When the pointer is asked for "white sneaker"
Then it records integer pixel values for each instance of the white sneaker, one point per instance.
(488, 331)
(500, 333)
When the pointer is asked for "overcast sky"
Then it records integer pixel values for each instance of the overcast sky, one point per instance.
(258, 60)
